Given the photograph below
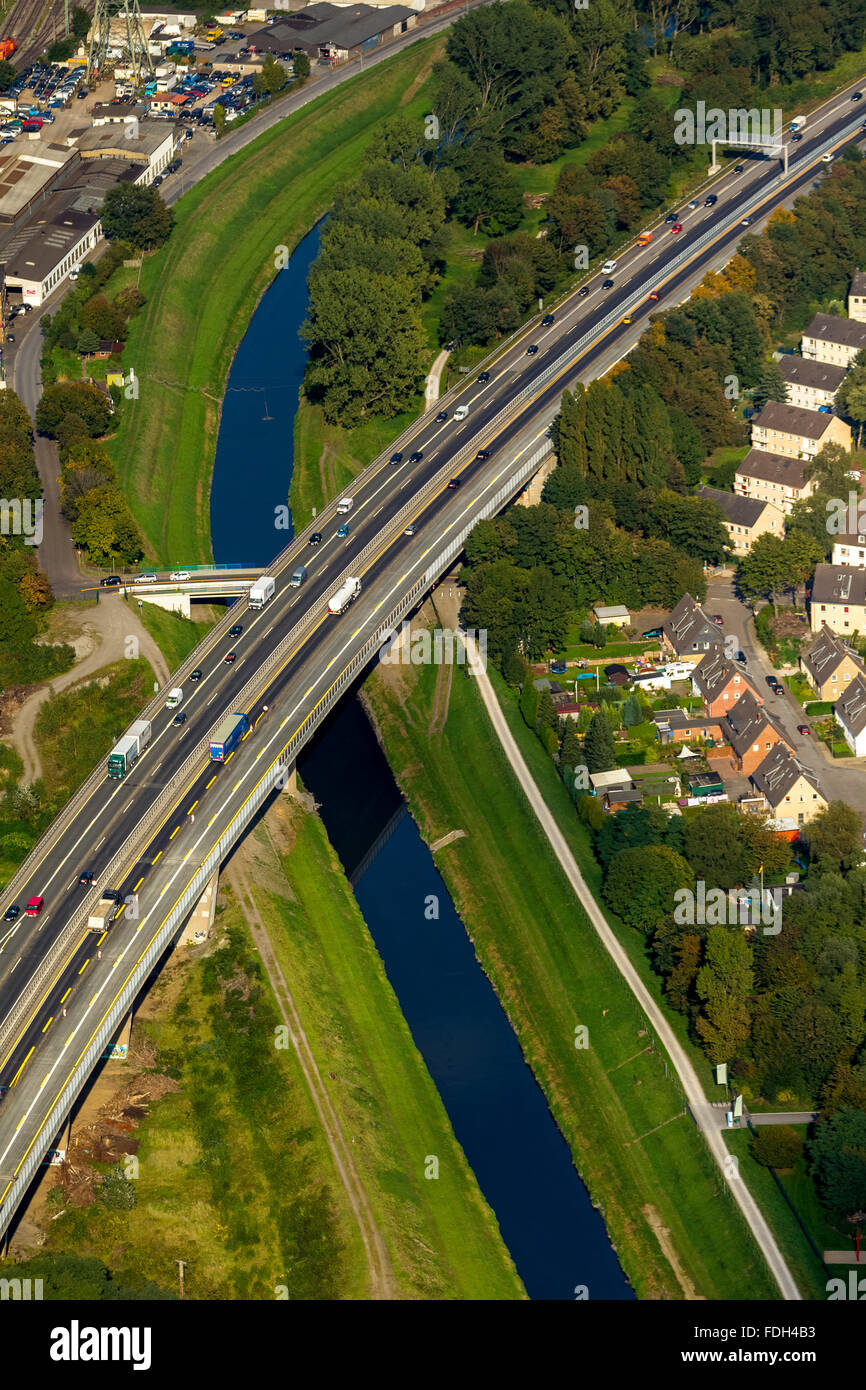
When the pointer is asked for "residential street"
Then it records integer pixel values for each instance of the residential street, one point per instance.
(839, 780)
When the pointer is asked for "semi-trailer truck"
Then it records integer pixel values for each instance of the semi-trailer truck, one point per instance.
(346, 594)
(262, 591)
(130, 747)
(227, 735)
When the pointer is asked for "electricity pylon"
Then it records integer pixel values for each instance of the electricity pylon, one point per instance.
(128, 36)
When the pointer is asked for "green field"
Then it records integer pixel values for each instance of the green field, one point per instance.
(623, 1119)
(202, 287)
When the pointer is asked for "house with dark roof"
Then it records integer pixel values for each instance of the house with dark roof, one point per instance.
(810, 383)
(795, 432)
(832, 339)
(829, 665)
(682, 726)
(776, 478)
(788, 790)
(688, 632)
(857, 297)
(744, 518)
(838, 599)
(850, 713)
(752, 733)
(720, 683)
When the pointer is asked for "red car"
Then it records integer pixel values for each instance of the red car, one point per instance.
(230, 657)
(34, 907)
(718, 620)
(803, 729)
(654, 294)
(677, 227)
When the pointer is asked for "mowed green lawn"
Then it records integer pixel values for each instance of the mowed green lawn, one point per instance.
(203, 286)
(624, 1120)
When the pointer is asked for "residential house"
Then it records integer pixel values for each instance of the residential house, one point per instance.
(829, 665)
(720, 684)
(752, 733)
(839, 599)
(857, 297)
(851, 715)
(832, 339)
(795, 432)
(745, 518)
(810, 383)
(688, 633)
(788, 790)
(615, 615)
(849, 547)
(775, 478)
(681, 726)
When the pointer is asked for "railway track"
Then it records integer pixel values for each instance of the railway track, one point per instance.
(35, 24)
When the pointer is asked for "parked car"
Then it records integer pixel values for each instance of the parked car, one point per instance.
(718, 620)
(803, 729)
(652, 632)
(109, 580)
(774, 685)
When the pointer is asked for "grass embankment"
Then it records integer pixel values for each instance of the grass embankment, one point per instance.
(76, 728)
(639, 1154)
(175, 635)
(202, 287)
(234, 1167)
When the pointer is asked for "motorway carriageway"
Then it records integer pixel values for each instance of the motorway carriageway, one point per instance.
(101, 825)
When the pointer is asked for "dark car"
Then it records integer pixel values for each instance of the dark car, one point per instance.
(441, 417)
(739, 168)
(583, 291)
(774, 685)
(417, 456)
(11, 913)
(483, 376)
(112, 895)
(532, 350)
(672, 217)
(483, 454)
(316, 538)
(196, 674)
(230, 657)
(711, 200)
(236, 630)
(741, 657)
(455, 482)
(82, 93)
(396, 458)
(856, 96)
(652, 632)
(607, 285)
(109, 580)
(796, 136)
(85, 877)
(179, 718)
(803, 729)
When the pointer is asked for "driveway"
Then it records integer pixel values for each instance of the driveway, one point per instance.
(839, 781)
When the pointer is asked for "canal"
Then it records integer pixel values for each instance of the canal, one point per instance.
(497, 1110)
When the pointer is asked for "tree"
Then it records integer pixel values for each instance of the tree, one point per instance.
(838, 1154)
(88, 342)
(835, 837)
(599, 749)
(138, 215)
(714, 846)
(219, 115)
(641, 883)
(8, 75)
(301, 65)
(724, 983)
(776, 1146)
(79, 398)
(490, 196)
(80, 21)
(771, 387)
(529, 702)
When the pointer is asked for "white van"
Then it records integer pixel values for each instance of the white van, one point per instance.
(345, 505)
(608, 268)
(461, 412)
(174, 697)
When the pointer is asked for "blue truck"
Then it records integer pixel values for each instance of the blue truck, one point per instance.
(227, 735)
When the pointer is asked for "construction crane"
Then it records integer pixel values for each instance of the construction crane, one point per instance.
(118, 24)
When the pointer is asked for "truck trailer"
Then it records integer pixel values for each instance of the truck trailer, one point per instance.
(103, 915)
(346, 594)
(128, 748)
(227, 735)
(262, 591)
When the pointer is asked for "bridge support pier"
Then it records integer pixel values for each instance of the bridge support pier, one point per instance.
(531, 495)
(289, 782)
(200, 920)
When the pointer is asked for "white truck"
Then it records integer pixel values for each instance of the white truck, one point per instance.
(262, 591)
(346, 594)
(798, 123)
(104, 914)
(128, 748)
(345, 505)
(174, 697)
